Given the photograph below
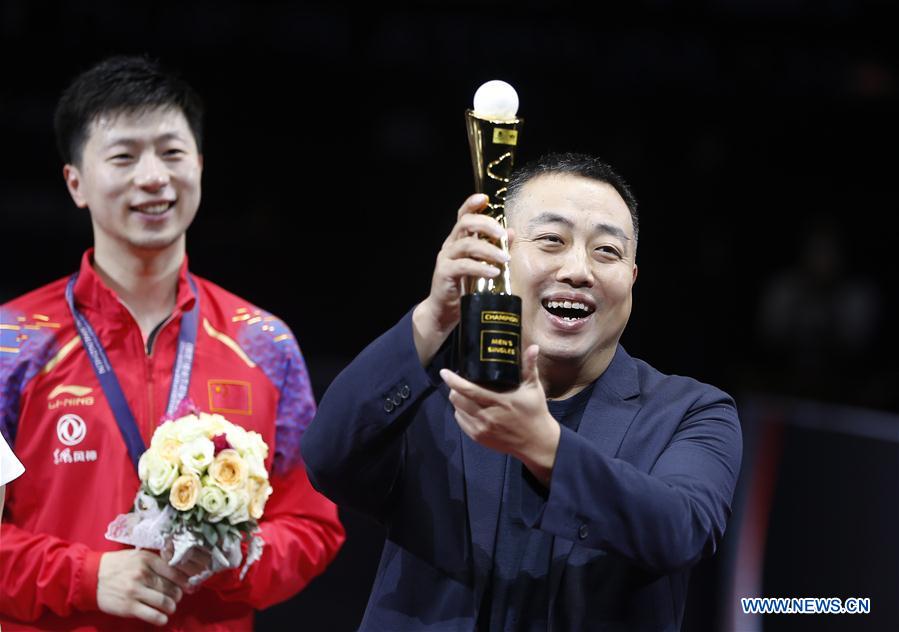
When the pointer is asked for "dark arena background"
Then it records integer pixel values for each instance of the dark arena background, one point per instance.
(760, 137)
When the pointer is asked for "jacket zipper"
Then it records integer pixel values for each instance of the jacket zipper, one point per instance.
(151, 392)
(151, 408)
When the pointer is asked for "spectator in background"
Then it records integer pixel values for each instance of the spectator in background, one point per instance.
(816, 320)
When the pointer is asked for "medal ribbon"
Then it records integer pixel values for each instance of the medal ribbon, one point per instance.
(187, 338)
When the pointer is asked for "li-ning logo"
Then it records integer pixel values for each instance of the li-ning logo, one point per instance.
(81, 396)
(71, 429)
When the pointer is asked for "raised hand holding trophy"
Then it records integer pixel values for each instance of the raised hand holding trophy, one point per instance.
(490, 336)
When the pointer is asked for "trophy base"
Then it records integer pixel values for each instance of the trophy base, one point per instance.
(490, 340)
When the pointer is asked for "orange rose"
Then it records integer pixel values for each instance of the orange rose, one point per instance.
(228, 470)
(185, 491)
(260, 490)
(168, 450)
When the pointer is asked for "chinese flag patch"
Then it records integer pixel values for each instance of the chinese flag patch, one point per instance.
(230, 396)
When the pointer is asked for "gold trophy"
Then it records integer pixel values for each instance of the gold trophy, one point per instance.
(490, 327)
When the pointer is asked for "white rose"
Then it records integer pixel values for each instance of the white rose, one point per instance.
(196, 455)
(241, 512)
(215, 424)
(215, 501)
(255, 465)
(205, 424)
(188, 429)
(163, 432)
(143, 464)
(238, 438)
(258, 445)
(157, 473)
(232, 500)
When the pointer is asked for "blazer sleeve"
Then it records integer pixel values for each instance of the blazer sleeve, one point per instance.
(354, 448)
(665, 519)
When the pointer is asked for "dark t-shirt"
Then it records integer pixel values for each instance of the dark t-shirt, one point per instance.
(517, 597)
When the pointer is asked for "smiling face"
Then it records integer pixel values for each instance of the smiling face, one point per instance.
(139, 176)
(573, 265)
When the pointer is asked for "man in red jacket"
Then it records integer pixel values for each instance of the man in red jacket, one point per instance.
(92, 362)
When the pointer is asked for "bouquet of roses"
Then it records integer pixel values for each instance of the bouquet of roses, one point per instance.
(203, 483)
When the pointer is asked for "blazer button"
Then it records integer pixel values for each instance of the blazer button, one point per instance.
(404, 391)
(388, 405)
(583, 532)
(396, 399)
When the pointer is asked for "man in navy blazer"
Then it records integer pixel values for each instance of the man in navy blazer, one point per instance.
(578, 501)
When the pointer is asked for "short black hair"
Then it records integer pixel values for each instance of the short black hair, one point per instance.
(120, 85)
(576, 164)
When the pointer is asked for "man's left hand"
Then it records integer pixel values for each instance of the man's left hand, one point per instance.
(195, 562)
(514, 422)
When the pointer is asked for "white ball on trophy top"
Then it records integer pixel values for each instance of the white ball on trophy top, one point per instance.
(496, 100)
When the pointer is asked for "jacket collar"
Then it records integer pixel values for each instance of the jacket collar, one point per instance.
(92, 293)
(608, 415)
(620, 379)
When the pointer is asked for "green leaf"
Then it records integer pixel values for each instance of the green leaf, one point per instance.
(211, 535)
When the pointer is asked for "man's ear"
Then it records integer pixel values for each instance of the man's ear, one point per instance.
(72, 175)
(634, 280)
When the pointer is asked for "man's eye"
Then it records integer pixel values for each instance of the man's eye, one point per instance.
(121, 157)
(609, 251)
(173, 153)
(549, 239)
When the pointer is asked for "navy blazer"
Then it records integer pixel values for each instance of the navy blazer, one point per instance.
(638, 494)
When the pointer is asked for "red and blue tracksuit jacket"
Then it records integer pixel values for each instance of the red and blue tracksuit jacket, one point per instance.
(247, 366)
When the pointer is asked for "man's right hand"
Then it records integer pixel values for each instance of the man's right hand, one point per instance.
(463, 254)
(139, 584)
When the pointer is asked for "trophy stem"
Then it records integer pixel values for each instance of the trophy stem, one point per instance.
(490, 327)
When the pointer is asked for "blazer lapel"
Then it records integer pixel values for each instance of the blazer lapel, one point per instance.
(612, 406)
(607, 417)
